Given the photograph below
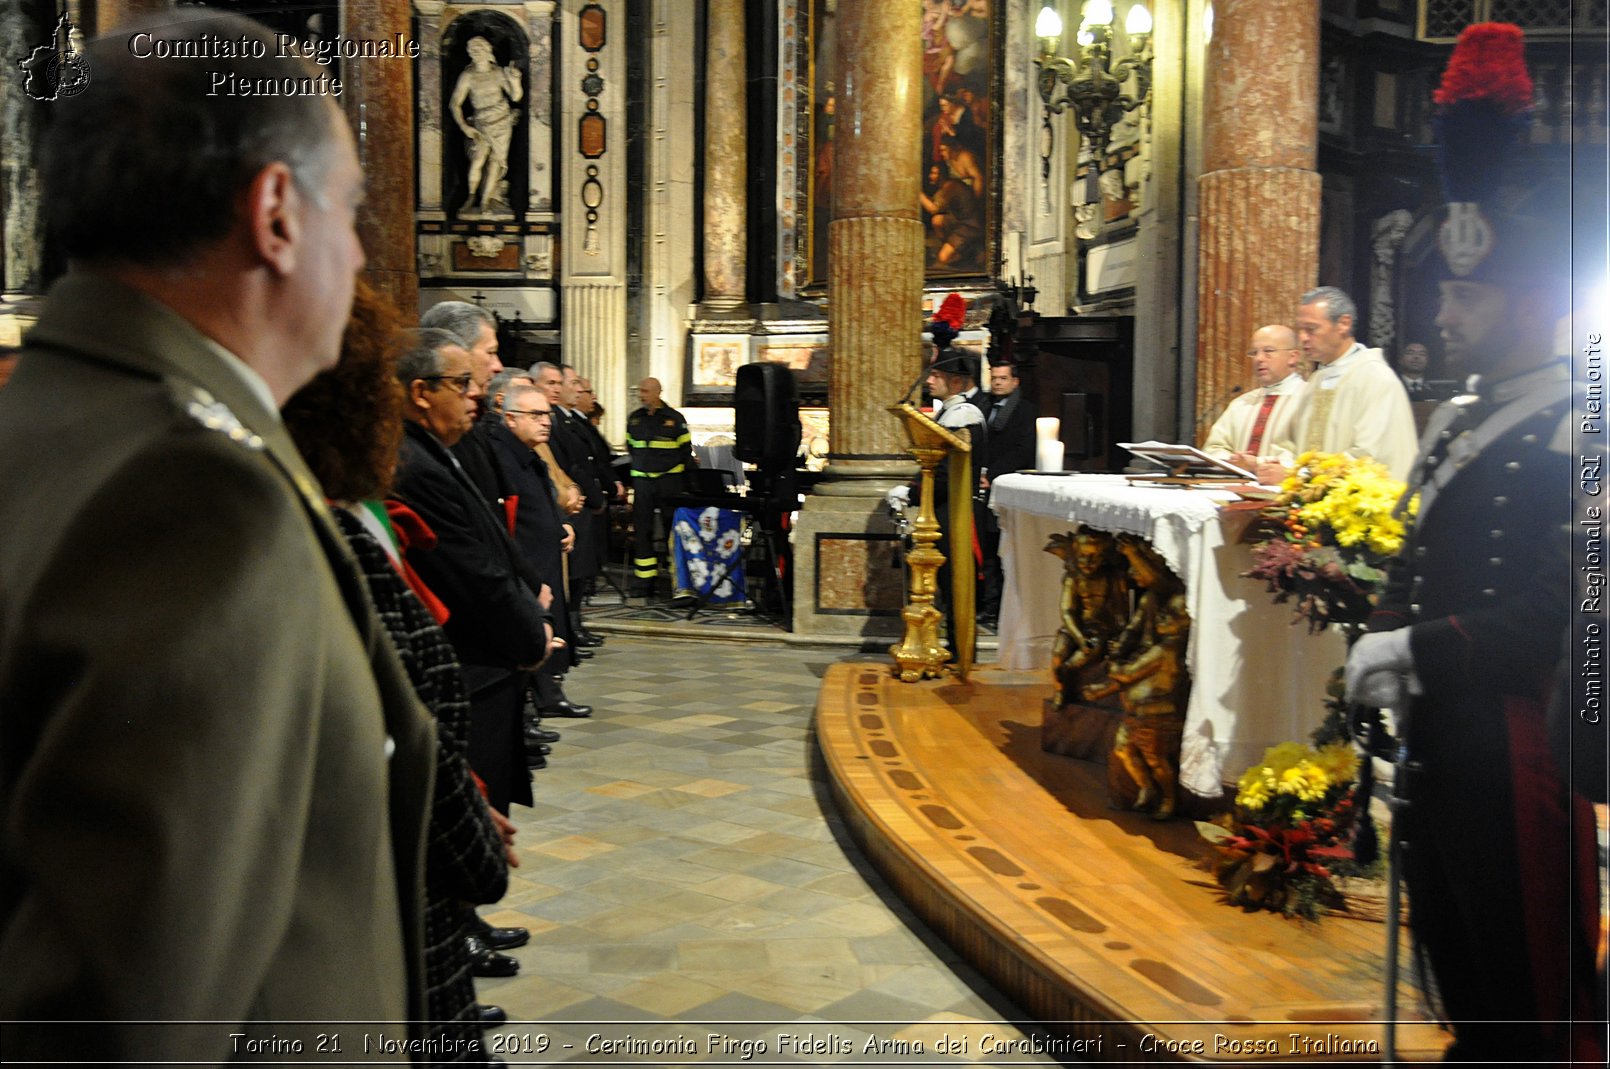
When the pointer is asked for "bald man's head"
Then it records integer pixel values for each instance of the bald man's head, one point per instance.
(648, 391)
(1274, 354)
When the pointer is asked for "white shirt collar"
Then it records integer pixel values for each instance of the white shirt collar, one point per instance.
(244, 372)
(1290, 384)
(1341, 363)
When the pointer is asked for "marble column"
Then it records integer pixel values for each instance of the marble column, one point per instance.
(875, 251)
(726, 148)
(109, 16)
(379, 101)
(22, 29)
(846, 575)
(1259, 194)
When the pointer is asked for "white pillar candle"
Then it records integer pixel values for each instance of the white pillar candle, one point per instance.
(1047, 429)
(1048, 454)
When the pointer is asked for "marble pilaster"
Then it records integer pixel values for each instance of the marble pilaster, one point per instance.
(669, 238)
(726, 148)
(379, 103)
(429, 13)
(1258, 194)
(846, 574)
(589, 40)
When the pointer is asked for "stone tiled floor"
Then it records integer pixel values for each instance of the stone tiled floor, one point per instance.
(683, 874)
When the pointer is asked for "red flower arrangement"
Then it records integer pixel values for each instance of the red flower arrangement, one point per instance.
(1488, 66)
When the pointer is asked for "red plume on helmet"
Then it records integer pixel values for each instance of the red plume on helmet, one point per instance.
(947, 322)
(1481, 108)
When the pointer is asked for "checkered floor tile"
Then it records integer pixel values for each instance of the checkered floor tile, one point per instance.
(683, 874)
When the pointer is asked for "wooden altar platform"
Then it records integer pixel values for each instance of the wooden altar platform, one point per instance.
(1103, 920)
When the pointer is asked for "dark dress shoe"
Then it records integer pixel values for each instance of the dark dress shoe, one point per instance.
(486, 962)
(493, 1015)
(568, 709)
(589, 639)
(582, 653)
(533, 733)
(505, 938)
(535, 761)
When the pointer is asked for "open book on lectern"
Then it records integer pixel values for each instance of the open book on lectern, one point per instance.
(1187, 460)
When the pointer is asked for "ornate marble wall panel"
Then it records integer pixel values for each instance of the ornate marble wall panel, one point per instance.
(590, 38)
(669, 214)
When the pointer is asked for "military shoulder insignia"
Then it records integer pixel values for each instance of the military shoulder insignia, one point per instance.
(214, 415)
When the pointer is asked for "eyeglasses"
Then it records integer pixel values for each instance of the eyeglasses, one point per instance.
(1253, 354)
(533, 413)
(461, 383)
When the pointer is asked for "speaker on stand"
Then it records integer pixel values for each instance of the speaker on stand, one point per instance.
(766, 420)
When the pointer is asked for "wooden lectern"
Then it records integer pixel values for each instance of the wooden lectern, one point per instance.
(921, 653)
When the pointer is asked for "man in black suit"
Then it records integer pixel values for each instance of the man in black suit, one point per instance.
(572, 422)
(520, 421)
(499, 625)
(573, 451)
(1010, 419)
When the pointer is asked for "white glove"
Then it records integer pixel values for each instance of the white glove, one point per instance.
(1379, 670)
(898, 498)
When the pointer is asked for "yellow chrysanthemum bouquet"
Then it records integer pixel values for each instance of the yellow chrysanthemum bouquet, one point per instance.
(1294, 811)
(1330, 533)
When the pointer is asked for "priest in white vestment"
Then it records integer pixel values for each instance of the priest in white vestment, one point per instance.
(1246, 432)
(1354, 402)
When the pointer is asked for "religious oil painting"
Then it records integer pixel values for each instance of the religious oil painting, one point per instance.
(960, 159)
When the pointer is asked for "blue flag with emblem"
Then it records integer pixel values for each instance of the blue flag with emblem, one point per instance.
(707, 554)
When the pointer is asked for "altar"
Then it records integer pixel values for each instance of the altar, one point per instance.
(1258, 679)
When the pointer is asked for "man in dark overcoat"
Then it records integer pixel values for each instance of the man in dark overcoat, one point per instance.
(499, 625)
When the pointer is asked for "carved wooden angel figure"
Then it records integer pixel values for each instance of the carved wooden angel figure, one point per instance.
(1093, 607)
(1153, 683)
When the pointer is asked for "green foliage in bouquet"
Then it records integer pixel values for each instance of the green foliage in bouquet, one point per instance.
(1281, 847)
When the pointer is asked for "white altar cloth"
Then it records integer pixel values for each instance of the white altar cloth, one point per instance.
(1257, 679)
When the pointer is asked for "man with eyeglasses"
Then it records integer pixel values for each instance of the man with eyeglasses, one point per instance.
(499, 622)
(1250, 425)
(542, 532)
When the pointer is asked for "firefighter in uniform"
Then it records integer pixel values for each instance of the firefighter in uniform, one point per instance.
(1497, 847)
(661, 452)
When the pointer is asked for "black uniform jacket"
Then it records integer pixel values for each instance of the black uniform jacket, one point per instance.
(495, 620)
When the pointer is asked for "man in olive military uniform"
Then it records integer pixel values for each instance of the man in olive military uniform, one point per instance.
(1498, 848)
(661, 451)
(215, 773)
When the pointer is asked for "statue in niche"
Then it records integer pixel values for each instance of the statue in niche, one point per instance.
(1094, 608)
(492, 92)
(1147, 670)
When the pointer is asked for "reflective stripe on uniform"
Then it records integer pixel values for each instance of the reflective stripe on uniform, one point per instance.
(636, 474)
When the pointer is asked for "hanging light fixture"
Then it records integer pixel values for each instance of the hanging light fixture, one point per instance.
(1090, 82)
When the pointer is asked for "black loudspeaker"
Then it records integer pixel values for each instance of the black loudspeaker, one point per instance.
(766, 415)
